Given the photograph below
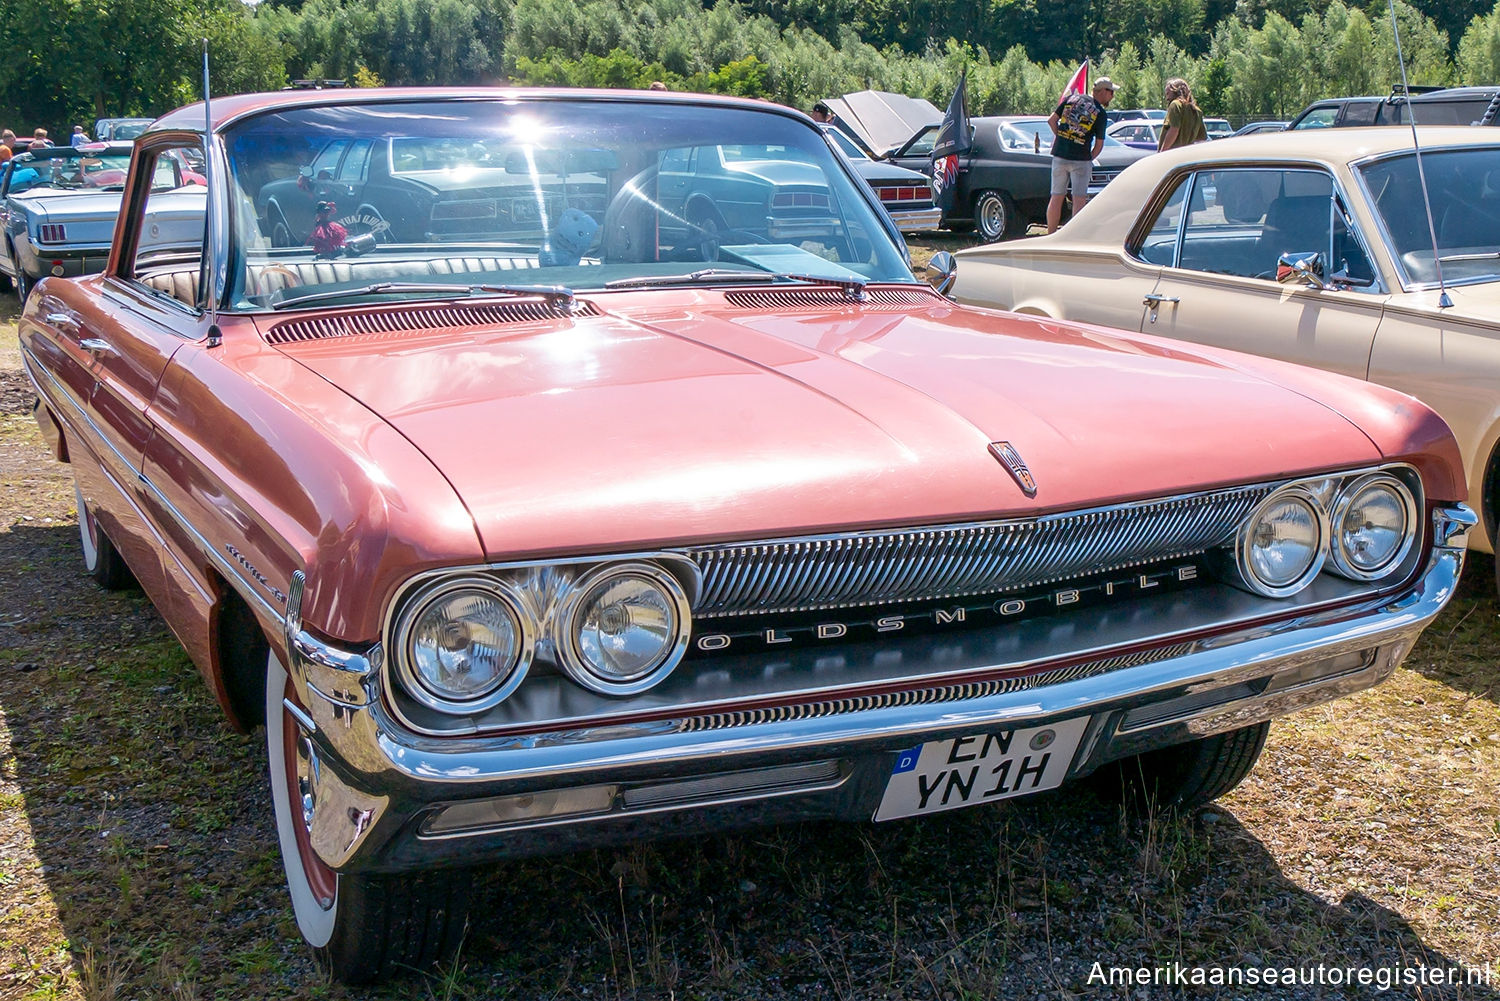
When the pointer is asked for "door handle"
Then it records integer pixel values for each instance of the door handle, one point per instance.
(95, 346)
(1154, 300)
(66, 322)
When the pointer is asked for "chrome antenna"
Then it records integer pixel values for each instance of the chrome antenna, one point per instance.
(210, 285)
(1443, 301)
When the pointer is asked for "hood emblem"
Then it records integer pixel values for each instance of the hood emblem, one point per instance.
(1011, 459)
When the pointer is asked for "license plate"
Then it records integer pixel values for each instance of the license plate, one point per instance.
(947, 774)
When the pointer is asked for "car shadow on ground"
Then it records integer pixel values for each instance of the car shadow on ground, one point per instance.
(139, 860)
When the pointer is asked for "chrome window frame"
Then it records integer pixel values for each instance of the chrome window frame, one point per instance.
(1156, 203)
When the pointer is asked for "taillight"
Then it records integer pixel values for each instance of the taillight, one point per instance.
(800, 200)
(52, 232)
(900, 194)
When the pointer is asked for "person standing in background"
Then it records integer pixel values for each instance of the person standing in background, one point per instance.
(79, 137)
(1184, 121)
(1078, 123)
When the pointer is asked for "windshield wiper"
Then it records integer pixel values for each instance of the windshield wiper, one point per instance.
(854, 288)
(552, 293)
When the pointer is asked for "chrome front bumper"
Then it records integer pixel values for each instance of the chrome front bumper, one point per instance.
(388, 799)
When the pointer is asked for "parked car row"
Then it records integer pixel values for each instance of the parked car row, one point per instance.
(1304, 246)
(620, 479)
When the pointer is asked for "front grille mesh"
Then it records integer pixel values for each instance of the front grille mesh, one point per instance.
(926, 696)
(868, 568)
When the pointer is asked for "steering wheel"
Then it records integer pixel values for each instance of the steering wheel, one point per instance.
(289, 278)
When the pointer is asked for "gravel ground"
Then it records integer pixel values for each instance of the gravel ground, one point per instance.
(137, 858)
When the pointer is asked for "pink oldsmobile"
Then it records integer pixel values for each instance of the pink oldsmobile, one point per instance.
(550, 469)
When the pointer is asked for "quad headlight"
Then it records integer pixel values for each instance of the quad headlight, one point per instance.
(1361, 527)
(1372, 525)
(622, 628)
(463, 644)
(1281, 547)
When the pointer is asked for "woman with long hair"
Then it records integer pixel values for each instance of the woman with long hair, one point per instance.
(1184, 120)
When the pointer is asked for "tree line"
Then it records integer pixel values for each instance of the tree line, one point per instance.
(72, 62)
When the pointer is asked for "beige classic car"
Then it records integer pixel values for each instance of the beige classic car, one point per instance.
(1310, 247)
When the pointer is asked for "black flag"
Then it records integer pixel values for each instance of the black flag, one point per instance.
(952, 142)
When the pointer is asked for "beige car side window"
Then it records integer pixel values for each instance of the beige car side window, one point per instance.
(1241, 221)
(1160, 243)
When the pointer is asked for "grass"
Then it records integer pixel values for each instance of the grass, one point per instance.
(137, 857)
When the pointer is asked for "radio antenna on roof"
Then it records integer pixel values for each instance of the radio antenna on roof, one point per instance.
(1437, 261)
(209, 281)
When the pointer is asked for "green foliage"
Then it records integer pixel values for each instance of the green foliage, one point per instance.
(1479, 50)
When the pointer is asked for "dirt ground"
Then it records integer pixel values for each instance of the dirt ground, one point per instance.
(138, 859)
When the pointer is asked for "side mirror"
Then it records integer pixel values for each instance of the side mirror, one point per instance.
(1304, 268)
(942, 270)
(305, 171)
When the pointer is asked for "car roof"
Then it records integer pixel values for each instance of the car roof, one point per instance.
(1330, 148)
(228, 110)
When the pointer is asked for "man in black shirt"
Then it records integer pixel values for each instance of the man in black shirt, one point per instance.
(1078, 125)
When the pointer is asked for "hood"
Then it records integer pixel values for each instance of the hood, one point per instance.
(676, 418)
(882, 119)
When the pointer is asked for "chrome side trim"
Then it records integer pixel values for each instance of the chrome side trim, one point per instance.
(246, 588)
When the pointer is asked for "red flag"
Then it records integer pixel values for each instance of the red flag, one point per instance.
(1079, 84)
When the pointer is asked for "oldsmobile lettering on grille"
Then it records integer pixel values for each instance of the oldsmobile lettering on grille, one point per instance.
(750, 634)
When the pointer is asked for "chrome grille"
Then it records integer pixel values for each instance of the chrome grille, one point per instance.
(950, 561)
(926, 696)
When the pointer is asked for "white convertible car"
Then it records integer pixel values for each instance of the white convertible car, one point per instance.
(60, 205)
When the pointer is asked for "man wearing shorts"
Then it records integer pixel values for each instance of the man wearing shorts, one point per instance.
(1078, 124)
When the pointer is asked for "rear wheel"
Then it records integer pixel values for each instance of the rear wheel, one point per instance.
(363, 927)
(995, 216)
(100, 558)
(1184, 775)
(708, 234)
(23, 283)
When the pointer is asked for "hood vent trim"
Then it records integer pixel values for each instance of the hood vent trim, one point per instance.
(824, 298)
(419, 318)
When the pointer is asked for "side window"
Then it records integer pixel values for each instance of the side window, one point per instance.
(1160, 243)
(675, 161)
(1247, 219)
(323, 166)
(1360, 113)
(168, 253)
(1318, 118)
(357, 164)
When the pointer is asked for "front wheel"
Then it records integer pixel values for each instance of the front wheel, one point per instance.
(995, 216)
(1184, 776)
(100, 557)
(362, 927)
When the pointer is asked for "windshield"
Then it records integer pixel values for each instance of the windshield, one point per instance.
(1464, 186)
(574, 194)
(846, 145)
(66, 167)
